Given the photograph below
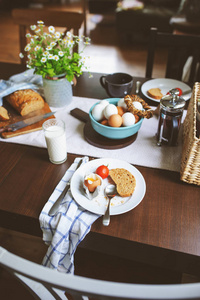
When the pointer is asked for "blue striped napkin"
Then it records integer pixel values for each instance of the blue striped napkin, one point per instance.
(9, 87)
(21, 81)
(66, 228)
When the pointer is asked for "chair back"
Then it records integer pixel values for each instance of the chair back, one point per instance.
(47, 284)
(27, 17)
(183, 52)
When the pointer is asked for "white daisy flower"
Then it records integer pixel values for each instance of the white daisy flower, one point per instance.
(28, 35)
(21, 55)
(33, 27)
(52, 44)
(46, 53)
(60, 53)
(40, 22)
(50, 56)
(69, 34)
(37, 48)
(27, 48)
(43, 59)
(38, 30)
(56, 57)
(57, 35)
(51, 29)
(32, 41)
(29, 56)
(48, 48)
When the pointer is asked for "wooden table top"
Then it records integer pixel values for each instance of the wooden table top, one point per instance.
(163, 230)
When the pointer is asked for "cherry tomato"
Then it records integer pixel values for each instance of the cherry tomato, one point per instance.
(102, 171)
(180, 91)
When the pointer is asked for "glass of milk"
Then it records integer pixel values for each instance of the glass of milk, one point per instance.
(54, 132)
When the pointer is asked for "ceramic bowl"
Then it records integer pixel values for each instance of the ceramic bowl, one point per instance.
(114, 132)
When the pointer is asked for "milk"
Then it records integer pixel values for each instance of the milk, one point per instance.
(56, 143)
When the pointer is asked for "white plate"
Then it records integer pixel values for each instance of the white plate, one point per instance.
(98, 205)
(165, 85)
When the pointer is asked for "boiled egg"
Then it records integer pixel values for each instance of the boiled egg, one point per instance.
(137, 118)
(122, 103)
(109, 110)
(91, 182)
(115, 120)
(128, 119)
(104, 103)
(137, 105)
(121, 110)
(98, 112)
(92, 185)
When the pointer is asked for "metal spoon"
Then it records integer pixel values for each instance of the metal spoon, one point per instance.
(110, 191)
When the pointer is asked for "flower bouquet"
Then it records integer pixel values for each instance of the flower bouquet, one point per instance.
(50, 53)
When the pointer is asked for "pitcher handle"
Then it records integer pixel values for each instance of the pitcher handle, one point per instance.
(102, 81)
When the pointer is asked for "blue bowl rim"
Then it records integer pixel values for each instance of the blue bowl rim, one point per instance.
(112, 101)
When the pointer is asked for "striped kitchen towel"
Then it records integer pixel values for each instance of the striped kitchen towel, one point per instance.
(21, 81)
(64, 230)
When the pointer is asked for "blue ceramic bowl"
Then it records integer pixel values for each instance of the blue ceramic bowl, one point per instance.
(114, 132)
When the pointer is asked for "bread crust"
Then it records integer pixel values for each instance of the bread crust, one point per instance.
(3, 114)
(124, 180)
(25, 101)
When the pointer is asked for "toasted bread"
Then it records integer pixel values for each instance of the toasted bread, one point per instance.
(3, 114)
(155, 93)
(124, 181)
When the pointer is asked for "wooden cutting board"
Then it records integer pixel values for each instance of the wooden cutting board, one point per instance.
(16, 117)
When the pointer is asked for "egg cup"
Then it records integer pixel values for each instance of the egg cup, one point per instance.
(92, 195)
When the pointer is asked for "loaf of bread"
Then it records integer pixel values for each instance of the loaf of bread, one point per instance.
(3, 114)
(155, 93)
(124, 181)
(25, 101)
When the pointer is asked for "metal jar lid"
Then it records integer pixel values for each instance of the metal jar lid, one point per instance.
(172, 102)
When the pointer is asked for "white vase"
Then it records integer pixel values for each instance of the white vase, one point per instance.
(57, 91)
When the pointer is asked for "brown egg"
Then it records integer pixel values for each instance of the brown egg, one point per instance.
(137, 118)
(115, 120)
(121, 110)
(104, 122)
(92, 183)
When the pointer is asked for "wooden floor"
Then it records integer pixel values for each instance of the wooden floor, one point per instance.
(107, 55)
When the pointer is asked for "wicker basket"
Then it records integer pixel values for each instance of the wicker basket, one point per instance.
(190, 161)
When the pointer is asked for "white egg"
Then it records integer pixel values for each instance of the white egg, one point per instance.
(128, 119)
(137, 105)
(109, 110)
(98, 112)
(122, 103)
(104, 103)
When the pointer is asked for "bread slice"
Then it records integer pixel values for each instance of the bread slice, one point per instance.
(155, 93)
(124, 181)
(25, 101)
(3, 114)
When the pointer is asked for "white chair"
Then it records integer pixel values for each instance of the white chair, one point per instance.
(47, 284)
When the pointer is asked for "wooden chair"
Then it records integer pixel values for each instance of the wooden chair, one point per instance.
(47, 284)
(179, 48)
(26, 17)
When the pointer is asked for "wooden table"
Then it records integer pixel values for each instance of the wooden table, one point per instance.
(164, 230)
